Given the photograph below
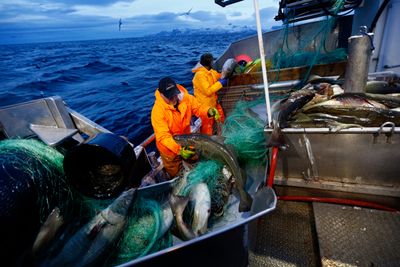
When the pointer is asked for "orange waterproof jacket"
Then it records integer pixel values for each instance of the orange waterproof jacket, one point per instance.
(206, 85)
(167, 121)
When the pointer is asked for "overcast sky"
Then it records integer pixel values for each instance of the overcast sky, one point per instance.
(24, 21)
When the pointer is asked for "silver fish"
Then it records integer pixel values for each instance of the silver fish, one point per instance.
(283, 110)
(167, 218)
(346, 100)
(48, 231)
(91, 244)
(382, 87)
(211, 149)
(228, 68)
(201, 200)
(178, 205)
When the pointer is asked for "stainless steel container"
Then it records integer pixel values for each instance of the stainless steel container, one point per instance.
(360, 160)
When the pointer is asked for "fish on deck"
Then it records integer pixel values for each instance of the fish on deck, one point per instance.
(91, 244)
(211, 149)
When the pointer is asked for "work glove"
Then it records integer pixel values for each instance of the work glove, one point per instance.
(213, 112)
(187, 152)
(224, 82)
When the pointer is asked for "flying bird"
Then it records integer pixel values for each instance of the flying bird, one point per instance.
(186, 13)
(119, 24)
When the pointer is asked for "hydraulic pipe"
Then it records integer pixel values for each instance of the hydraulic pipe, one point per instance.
(343, 201)
(274, 159)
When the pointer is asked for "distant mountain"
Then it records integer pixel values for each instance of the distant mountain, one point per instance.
(185, 32)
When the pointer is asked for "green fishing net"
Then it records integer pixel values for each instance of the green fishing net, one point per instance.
(142, 234)
(305, 50)
(210, 173)
(41, 166)
(90, 207)
(245, 133)
(311, 48)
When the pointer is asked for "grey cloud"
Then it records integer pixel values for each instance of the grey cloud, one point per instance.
(205, 17)
(93, 2)
(268, 12)
(236, 14)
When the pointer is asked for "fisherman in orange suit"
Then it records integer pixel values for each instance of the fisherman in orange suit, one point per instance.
(171, 115)
(206, 83)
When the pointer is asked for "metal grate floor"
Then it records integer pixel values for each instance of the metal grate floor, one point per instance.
(285, 237)
(303, 234)
(352, 236)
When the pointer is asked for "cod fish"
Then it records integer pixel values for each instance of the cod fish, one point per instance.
(211, 149)
(346, 100)
(387, 100)
(167, 218)
(178, 205)
(91, 244)
(382, 87)
(201, 200)
(48, 231)
(283, 110)
(228, 68)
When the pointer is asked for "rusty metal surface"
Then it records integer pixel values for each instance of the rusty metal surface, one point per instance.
(352, 236)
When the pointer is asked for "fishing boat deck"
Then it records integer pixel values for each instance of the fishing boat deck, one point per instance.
(320, 234)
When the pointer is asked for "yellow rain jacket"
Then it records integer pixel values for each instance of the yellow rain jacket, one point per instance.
(206, 85)
(167, 121)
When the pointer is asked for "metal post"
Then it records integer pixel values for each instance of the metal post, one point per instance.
(262, 57)
(358, 63)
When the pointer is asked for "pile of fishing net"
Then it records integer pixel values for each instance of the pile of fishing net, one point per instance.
(32, 164)
(245, 133)
(32, 183)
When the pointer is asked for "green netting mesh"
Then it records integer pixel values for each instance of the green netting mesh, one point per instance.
(210, 173)
(311, 48)
(41, 167)
(90, 207)
(245, 132)
(142, 234)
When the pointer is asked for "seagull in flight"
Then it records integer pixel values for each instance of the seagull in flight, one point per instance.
(119, 24)
(186, 13)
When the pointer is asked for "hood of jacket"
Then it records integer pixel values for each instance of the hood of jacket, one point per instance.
(199, 68)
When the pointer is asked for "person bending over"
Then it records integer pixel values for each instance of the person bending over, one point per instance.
(171, 114)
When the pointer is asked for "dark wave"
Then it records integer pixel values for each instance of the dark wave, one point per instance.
(100, 67)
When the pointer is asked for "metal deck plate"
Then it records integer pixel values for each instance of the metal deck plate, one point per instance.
(352, 236)
(285, 237)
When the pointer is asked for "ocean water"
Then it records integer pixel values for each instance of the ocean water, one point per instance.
(112, 82)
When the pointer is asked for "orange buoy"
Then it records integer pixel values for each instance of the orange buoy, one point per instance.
(243, 59)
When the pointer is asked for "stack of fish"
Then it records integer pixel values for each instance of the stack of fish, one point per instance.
(326, 105)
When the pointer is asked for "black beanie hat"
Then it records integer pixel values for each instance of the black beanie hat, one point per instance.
(206, 59)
